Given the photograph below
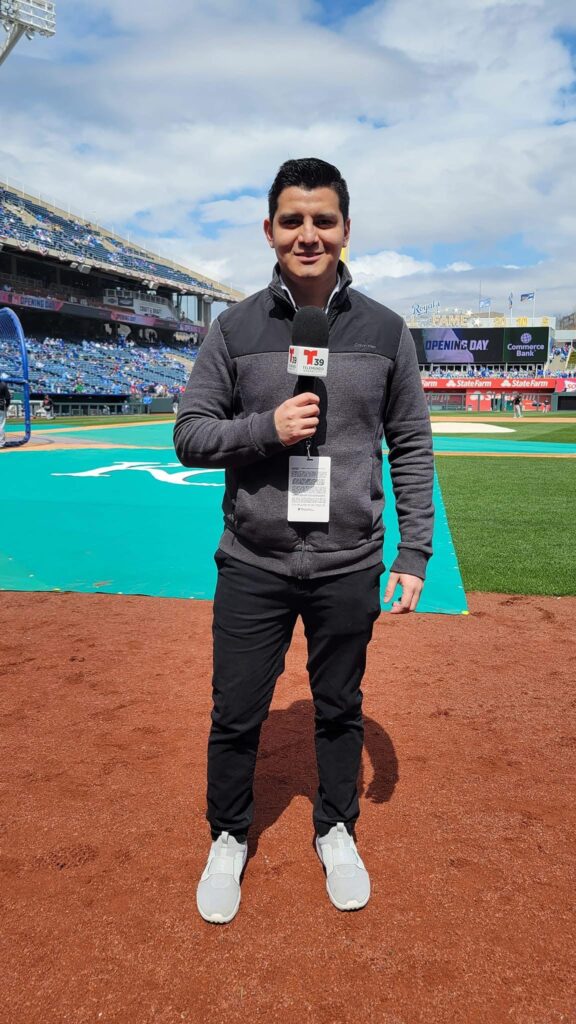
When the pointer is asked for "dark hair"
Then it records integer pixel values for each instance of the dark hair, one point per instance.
(308, 173)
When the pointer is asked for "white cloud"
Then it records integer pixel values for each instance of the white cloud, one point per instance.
(245, 210)
(444, 118)
(367, 270)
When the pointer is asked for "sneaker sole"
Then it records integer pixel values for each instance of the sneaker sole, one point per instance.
(218, 918)
(351, 904)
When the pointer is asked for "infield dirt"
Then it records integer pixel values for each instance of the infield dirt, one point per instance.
(467, 824)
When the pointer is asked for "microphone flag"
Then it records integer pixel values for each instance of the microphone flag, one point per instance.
(308, 351)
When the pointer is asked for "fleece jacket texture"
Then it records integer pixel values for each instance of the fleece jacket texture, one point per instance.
(372, 392)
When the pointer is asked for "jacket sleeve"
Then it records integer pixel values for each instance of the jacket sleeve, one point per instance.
(206, 432)
(409, 437)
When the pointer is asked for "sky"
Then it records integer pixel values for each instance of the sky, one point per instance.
(453, 123)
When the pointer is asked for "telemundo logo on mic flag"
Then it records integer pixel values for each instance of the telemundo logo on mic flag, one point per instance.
(307, 361)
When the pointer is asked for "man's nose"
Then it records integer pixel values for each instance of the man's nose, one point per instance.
(308, 232)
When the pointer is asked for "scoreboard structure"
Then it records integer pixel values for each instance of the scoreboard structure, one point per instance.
(481, 346)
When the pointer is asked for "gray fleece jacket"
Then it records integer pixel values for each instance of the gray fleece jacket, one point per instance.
(372, 391)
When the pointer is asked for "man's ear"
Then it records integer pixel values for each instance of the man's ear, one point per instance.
(346, 233)
(268, 232)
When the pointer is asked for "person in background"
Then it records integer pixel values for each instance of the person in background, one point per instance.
(5, 399)
(48, 407)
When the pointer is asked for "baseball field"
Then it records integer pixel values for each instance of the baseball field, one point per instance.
(468, 810)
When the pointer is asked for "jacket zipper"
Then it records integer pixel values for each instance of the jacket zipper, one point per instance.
(332, 315)
(300, 574)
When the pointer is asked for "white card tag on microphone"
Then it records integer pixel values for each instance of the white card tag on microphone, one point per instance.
(307, 361)
(308, 489)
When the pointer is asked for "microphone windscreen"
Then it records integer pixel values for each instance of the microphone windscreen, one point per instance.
(310, 327)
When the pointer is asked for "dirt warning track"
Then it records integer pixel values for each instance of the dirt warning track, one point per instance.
(467, 824)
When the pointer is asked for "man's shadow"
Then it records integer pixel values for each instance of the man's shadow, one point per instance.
(286, 765)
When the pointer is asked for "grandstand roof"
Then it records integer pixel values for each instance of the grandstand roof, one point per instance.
(31, 224)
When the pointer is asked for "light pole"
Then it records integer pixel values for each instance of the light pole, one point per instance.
(25, 18)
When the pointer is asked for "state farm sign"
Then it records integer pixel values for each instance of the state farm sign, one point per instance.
(492, 384)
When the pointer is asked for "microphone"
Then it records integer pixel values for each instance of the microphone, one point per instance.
(308, 352)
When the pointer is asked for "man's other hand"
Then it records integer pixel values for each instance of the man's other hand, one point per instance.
(297, 418)
(411, 590)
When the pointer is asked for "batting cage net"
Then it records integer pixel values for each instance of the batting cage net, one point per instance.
(14, 379)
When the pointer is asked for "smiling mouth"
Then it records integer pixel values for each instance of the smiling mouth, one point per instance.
(308, 255)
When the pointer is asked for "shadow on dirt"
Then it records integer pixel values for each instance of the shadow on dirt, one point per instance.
(286, 765)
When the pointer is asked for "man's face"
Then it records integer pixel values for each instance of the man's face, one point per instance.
(308, 233)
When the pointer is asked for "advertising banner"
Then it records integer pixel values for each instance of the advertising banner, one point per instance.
(131, 318)
(469, 345)
(525, 345)
(476, 346)
(160, 310)
(492, 384)
(29, 301)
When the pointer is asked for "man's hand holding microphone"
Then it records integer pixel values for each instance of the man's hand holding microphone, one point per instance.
(297, 418)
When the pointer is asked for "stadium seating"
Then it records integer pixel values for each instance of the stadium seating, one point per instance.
(58, 366)
(554, 368)
(29, 222)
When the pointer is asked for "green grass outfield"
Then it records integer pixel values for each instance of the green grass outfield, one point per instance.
(511, 518)
(511, 522)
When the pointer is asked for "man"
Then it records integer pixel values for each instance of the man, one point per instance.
(243, 411)
(48, 407)
(5, 399)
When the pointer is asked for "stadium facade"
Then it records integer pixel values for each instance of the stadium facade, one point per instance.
(107, 322)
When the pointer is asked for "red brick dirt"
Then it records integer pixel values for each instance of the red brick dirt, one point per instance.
(467, 824)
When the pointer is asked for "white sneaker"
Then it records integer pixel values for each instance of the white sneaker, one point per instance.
(347, 881)
(218, 892)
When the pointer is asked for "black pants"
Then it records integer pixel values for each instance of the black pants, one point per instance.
(254, 616)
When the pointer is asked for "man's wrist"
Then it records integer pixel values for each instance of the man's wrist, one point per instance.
(410, 561)
(265, 433)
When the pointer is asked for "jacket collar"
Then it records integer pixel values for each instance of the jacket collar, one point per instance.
(275, 286)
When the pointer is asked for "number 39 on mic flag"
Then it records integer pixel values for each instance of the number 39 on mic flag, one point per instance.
(307, 361)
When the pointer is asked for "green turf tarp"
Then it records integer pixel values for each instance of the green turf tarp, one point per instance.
(134, 521)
